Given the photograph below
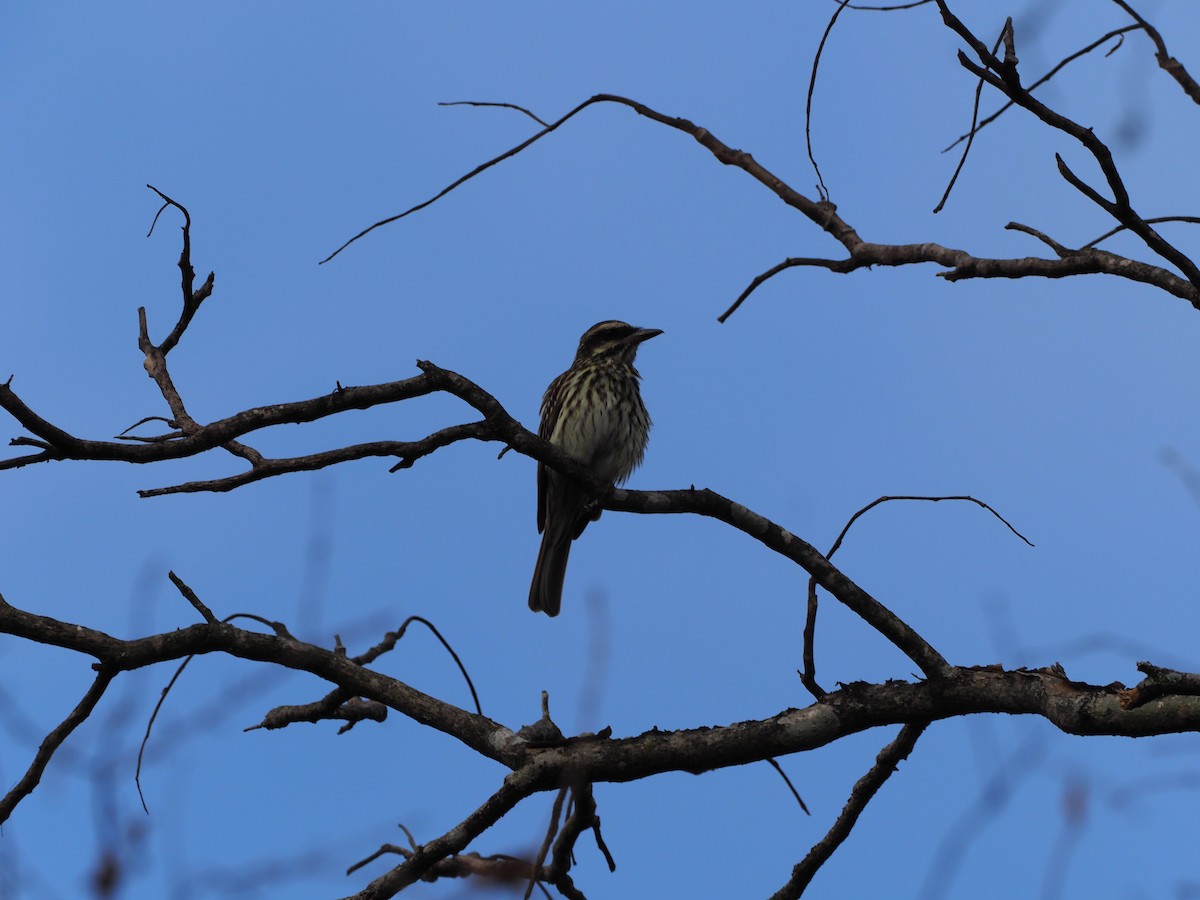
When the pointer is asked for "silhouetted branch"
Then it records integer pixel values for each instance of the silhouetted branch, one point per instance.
(864, 790)
(1118, 33)
(962, 160)
(808, 675)
(339, 704)
(812, 83)
(1166, 61)
(522, 109)
(192, 298)
(959, 264)
(1003, 76)
(1194, 220)
(791, 787)
(516, 787)
(24, 787)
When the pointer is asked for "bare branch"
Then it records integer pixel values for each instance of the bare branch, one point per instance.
(1118, 33)
(162, 698)
(537, 119)
(880, 500)
(1159, 682)
(1166, 61)
(912, 5)
(1194, 220)
(24, 787)
(516, 787)
(192, 298)
(812, 83)
(1003, 76)
(782, 541)
(864, 790)
(393, 637)
(808, 675)
(191, 597)
(961, 265)
(791, 262)
(582, 818)
(551, 832)
(1073, 707)
(791, 787)
(962, 161)
(407, 451)
(337, 704)
(1063, 252)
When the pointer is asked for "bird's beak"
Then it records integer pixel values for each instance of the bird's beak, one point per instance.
(643, 334)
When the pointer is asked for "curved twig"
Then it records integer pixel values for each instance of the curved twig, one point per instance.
(812, 83)
(535, 118)
(808, 672)
(880, 500)
(393, 637)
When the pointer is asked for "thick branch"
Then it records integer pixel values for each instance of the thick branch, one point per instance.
(1073, 707)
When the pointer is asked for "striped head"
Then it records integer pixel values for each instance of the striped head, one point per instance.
(612, 340)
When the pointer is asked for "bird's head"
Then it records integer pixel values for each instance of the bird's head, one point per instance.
(613, 339)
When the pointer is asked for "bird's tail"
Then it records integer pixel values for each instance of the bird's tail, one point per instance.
(545, 593)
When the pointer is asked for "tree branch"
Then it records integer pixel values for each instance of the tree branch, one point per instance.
(516, 787)
(864, 790)
(1166, 61)
(53, 741)
(1003, 76)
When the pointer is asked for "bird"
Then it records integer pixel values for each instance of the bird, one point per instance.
(594, 412)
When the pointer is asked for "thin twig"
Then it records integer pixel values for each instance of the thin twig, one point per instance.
(854, 518)
(137, 772)
(962, 161)
(789, 263)
(808, 674)
(912, 5)
(393, 637)
(812, 82)
(502, 105)
(551, 831)
(1118, 33)
(1193, 220)
(192, 298)
(483, 167)
(1054, 245)
(791, 787)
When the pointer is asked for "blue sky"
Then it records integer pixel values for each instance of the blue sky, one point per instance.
(285, 128)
